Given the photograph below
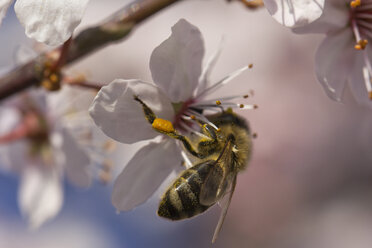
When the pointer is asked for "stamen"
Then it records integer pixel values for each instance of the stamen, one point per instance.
(355, 3)
(223, 99)
(363, 15)
(163, 125)
(242, 106)
(203, 119)
(189, 129)
(367, 81)
(361, 43)
(218, 102)
(222, 82)
(365, 6)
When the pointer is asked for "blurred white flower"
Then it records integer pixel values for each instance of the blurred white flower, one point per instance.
(36, 144)
(48, 21)
(178, 95)
(294, 13)
(344, 55)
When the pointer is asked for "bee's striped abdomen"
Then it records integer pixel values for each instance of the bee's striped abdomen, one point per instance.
(181, 200)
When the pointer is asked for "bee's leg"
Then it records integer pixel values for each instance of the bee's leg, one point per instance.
(208, 145)
(166, 127)
(149, 114)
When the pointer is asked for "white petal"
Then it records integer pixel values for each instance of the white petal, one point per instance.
(144, 173)
(334, 61)
(207, 69)
(72, 157)
(40, 195)
(176, 63)
(335, 17)
(49, 21)
(292, 13)
(120, 117)
(9, 119)
(69, 100)
(12, 155)
(4, 5)
(24, 54)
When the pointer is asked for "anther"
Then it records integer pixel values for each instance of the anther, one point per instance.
(370, 95)
(355, 3)
(192, 117)
(361, 45)
(255, 106)
(218, 102)
(241, 106)
(245, 96)
(250, 66)
(254, 135)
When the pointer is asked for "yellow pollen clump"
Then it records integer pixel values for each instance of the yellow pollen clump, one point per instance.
(163, 125)
(361, 44)
(218, 102)
(355, 3)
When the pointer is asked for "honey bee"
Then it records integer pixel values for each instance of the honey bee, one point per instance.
(221, 153)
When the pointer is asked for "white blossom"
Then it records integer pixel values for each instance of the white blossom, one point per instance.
(179, 93)
(344, 55)
(48, 21)
(294, 13)
(36, 144)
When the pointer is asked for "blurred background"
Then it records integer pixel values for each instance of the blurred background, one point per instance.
(309, 183)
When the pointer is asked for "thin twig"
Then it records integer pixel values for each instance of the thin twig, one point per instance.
(114, 28)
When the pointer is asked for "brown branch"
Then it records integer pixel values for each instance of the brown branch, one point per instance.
(115, 28)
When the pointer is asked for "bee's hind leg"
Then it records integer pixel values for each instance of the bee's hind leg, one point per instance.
(149, 114)
(166, 127)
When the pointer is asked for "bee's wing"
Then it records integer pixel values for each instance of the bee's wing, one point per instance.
(225, 207)
(219, 177)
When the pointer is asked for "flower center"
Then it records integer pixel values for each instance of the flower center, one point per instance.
(180, 109)
(361, 24)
